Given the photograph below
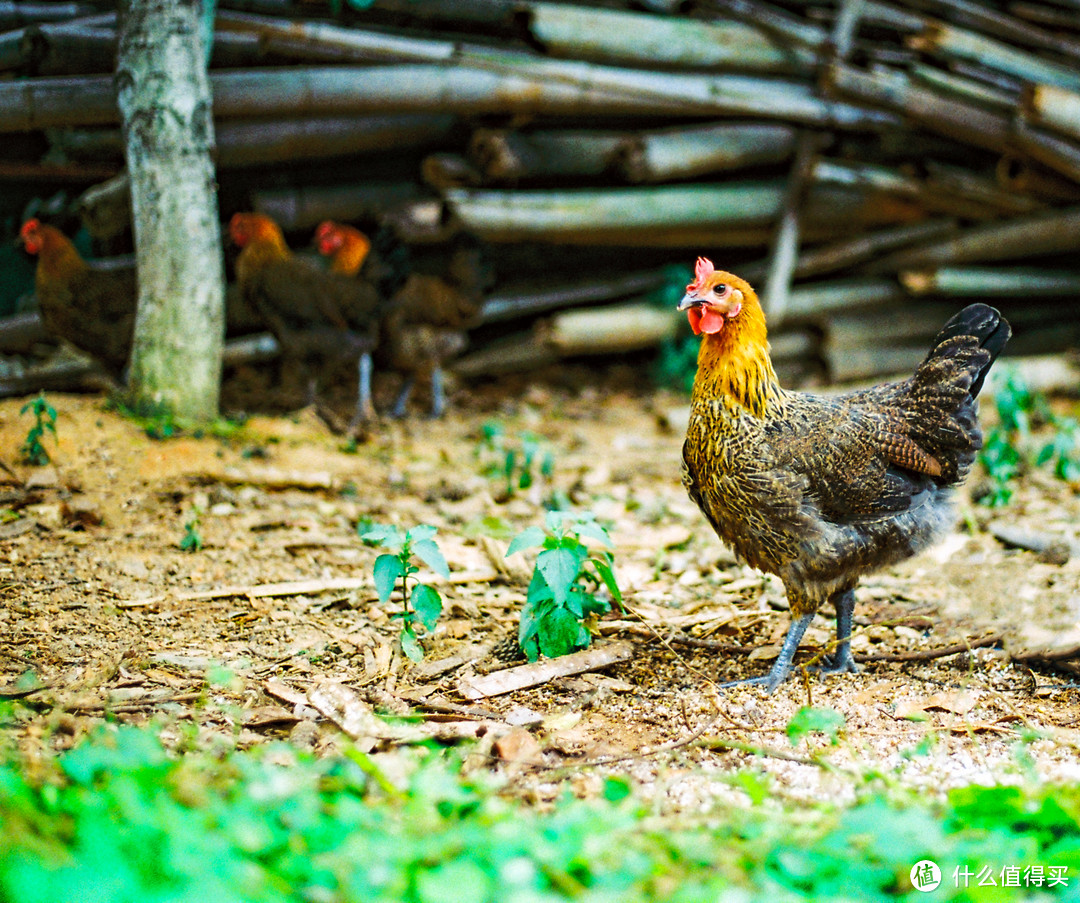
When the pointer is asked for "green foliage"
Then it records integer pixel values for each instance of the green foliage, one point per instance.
(1008, 447)
(159, 421)
(518, 464)
(120, 819)
(421, 606)
(563, 593)
(1063, 450)
(192, 540)
(676, 362)
(32, 450)
(810, 720)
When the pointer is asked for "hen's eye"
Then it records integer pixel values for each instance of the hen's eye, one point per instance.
(720, 289)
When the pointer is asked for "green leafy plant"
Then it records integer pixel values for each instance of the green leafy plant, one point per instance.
(1009, 445)
(192, 540)
(422, 604)
(519, 463)
(564, 591)
(810, 720)
(32, 450)
(1063, 450)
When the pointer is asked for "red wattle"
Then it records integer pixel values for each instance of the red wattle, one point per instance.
(705, 319)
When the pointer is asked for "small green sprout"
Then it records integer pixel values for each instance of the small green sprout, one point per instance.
(192, 540)
(421, 605)
(518, 464)
(32, 450)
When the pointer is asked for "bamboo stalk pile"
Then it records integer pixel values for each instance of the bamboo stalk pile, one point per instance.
(869, 165)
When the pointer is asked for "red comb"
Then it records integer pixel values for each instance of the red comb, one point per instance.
(703, 269)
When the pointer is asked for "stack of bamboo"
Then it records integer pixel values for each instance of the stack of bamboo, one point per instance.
(866, 163)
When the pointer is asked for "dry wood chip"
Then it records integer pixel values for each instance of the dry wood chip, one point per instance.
(269, 477)
(536, 673)
(959, 703)
(471, 653)
(268, 716)
(277, 689)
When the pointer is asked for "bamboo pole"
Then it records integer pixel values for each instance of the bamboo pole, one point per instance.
(853, 251)
(1019, 174)
(524, 214)
(814, 300)
(929, 194)
(305, 206)
(615, 329)
(942, 39)
(776, 22)
(680, 153)
(505, 155)
(532, 86)
(1058, 153)
(19, 14)
(583, 32)
(785, 244)
(966, 90)
(1035, 235)
(507, 305)
(259, 141)
(992, 281)
(300, 39)
(1053, 107)
(602, 215)
(947, 116)
(984, 18)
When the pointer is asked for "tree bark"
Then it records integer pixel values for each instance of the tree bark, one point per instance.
(165, 105)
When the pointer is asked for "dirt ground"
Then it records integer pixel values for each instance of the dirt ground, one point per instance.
(274, 624)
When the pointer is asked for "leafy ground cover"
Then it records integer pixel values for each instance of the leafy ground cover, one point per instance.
(118, 818)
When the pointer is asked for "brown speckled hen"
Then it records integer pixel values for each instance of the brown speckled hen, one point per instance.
(320, 319)
(821, 490)
(89, 303)
(424, 319)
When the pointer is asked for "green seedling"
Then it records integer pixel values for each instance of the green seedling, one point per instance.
(422, 604)
(192, 540)
(564, 593)
(1008, 447)
(517, 464)
(32, 450)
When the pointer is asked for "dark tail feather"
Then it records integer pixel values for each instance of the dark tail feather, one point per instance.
(984, 323)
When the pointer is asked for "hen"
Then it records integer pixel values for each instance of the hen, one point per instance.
(424, 319)
(90, 304)
(821, 490)
(321, 320)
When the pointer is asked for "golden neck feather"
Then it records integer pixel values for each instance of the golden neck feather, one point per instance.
(735, 363)
(267, 248)
(348, 259)
(58, 255)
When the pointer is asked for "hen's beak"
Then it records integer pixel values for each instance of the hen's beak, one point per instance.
(689, 300)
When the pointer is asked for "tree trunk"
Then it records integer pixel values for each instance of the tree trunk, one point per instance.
(165, 107)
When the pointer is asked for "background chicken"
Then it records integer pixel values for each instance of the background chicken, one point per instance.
(424, 321)
(821, 490)
(321, 320)
(90, 304)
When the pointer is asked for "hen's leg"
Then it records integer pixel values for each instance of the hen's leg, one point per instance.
(840, 661)
(781, 668)
(438, 392)
(398, 411)
(365, 409)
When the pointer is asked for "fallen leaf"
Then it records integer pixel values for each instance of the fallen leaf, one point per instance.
(959, 703)
(516, 746)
